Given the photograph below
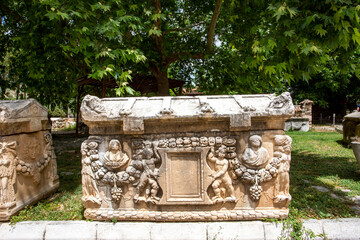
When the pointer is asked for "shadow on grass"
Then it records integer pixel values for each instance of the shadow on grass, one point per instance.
(306, 169)
(66, 203)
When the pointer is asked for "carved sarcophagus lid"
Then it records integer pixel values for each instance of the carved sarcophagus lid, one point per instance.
(27, 160)
(22, 116)
(205, 158)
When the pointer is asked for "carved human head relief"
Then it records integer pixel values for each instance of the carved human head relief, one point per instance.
(255, 141)
(114, 145)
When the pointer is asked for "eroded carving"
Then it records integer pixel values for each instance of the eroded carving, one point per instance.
(8, 160)
(206, 108)
(35, 169)
(148, 187)
(90, 154)
(282, 152)
(4, 113)
(255, 156)
(221, 176)
(255, 167)
(114, 158)
(282, 103)
(93, 104)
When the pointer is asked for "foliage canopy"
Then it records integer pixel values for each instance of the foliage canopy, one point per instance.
(221, 46)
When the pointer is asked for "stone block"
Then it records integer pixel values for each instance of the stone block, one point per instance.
(315, 226)
(125, 231)
(206, 158)
(178, 231)
(23, 231)
(273, 230)
(75, 230)
(344, 229)
(236, 230)
(28, 169)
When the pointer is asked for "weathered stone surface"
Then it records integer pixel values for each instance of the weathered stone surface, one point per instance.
(23, 231)
(302, 119)
(179, 231)
(208, 158)
(28, 169)
(76, 230)
(297, 124)
(241, 231)
(22, 116)
(274, 230)
(344, 229)
(315, 226)
(351, 127)
(128, 231)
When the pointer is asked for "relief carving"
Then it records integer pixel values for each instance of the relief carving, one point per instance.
(4, 113)
(92, 104)
(282, 103)
(148, 187)
(255, 166)
(50, 158)
(34, 169)
(90, 154)
(221, 176)
(114, 158)
(282, 152)
(8, 160)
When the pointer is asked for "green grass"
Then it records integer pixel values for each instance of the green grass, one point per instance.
(318, 158)
(66, 203)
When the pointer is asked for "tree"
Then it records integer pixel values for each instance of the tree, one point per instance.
(222, 46)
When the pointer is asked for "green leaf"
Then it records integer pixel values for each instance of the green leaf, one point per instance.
(155, 31)
(52, 15)
(289, 33)
(270, 70)
(293, 12)
(63, 15)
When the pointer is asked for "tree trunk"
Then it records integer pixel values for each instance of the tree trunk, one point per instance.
(161, 79)
(162, 83)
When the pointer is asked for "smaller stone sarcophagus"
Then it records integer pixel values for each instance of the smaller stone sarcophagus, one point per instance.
(206, 158)
(27, 160)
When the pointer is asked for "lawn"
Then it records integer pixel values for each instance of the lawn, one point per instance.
(321, 159)
(318, 159)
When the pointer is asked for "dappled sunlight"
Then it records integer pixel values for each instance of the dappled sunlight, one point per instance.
(319, 160)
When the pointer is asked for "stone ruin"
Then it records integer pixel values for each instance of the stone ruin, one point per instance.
(351, 127)
(205, 158)
(302, 118)
(28, 169)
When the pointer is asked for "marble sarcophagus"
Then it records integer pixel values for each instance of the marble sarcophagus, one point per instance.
(28, 169)
(206, 158)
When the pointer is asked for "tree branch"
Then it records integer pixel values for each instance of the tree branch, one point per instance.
(175, 57)
(211, 32)
(158, 39)
(184, 28)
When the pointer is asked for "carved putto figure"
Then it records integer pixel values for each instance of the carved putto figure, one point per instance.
(148, 178)
(283, 153)
(91, 196)
(221, 175)
(114, 158)
(7, 172)
(255, 156)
